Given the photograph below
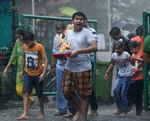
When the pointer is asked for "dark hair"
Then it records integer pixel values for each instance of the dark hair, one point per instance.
(119, 45)
(131, 35)
(60, 26)
(140, 30)
(114, 31)
(79, 14)
(28, 36)
(20, 31)
(134, 44)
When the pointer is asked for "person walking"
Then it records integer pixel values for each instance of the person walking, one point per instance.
(35, 65)
(121, 59)
(17, 60)
(137, 81)
(77, 77)
(116, 36)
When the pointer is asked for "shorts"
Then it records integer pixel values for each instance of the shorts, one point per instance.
(79, 82)
(31, 82)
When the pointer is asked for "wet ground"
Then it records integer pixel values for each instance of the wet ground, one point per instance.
(9, 110)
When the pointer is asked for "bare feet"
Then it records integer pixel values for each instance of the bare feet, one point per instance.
(123, 114)
(92, 113)
(117, 112)
(22, 117)
(40, 117)
(68, 115)
(76, 117)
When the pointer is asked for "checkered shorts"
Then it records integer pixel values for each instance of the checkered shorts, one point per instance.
(79, 82)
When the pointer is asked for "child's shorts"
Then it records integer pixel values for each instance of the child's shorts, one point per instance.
(31, 82)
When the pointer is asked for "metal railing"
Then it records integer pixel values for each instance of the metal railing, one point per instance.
(44, 29)
(146, 24)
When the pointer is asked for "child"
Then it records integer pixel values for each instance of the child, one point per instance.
(117, 36)
(122, 60)
(136, 86)
(34, 59)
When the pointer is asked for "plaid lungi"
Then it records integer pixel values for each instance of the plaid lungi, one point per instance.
(78, 82)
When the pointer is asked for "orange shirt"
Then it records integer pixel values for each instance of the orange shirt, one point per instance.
(34, 59)
(139, 75)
